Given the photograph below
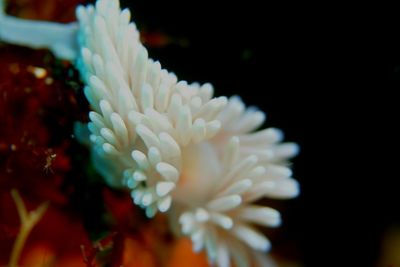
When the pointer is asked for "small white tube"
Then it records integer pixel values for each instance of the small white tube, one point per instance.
(60, 38)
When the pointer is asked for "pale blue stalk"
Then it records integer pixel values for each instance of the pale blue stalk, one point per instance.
(60, 38)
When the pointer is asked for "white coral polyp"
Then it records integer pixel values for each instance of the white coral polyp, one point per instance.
(176, 147)
(224, 176)
(142, 116)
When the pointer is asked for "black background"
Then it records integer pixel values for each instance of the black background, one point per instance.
(326, 75)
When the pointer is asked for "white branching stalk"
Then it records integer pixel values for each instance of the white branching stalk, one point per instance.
(28, 222)
(57, 37)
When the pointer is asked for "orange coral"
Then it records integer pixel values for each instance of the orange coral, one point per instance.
(182, 254)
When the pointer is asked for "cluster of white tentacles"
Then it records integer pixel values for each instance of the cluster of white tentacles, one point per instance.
(175, 146)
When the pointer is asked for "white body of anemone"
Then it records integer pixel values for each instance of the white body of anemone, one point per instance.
(174, 144)
(177, 148)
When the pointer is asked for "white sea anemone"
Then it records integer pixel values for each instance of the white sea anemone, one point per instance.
(143, 119)
(177, 148)
(173, 143)
(226, 175)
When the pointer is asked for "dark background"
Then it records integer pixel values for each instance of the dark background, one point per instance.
(327, 76)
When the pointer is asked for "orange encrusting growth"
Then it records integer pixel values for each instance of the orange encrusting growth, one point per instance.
(136, 255)
(182, 254)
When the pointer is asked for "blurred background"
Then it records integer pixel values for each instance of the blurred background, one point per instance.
(326, 75)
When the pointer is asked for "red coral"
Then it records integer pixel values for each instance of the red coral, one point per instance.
(33, 111)
(37, 112)
(60, 11)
